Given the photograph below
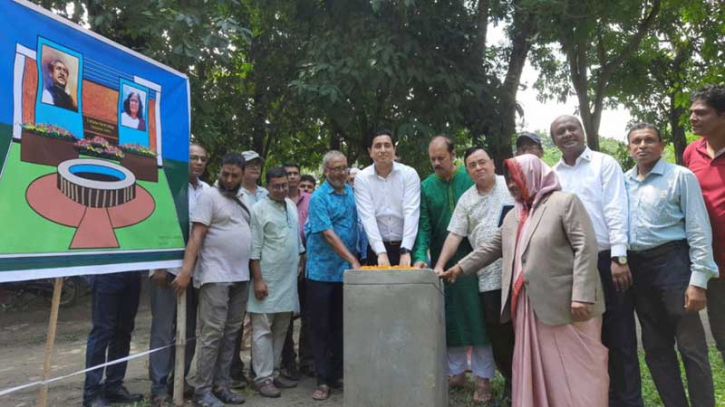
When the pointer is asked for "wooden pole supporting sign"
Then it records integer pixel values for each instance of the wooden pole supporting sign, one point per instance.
(50, 341)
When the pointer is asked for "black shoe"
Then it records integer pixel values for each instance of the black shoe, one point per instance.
(239, 382)
(228, 397)
(282, 383)
(98, 401)
(122, 395)
(338, 384)
(291, 373)
(308, 370)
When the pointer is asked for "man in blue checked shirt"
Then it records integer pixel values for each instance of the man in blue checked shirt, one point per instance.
(671, 261)
(332, 232)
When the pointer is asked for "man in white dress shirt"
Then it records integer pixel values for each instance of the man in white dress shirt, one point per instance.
(597, 179)
(387, 195)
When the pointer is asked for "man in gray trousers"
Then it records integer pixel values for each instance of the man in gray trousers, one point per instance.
(221, 241)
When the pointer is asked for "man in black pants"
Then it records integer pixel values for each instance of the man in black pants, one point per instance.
(114, 305)
(331, 232)
(672, 261)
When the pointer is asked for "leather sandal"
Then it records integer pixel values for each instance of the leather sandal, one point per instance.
(482, 394)
(322, 392)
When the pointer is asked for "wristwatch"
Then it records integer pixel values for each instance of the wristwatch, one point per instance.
(403, 250)
(621, 260)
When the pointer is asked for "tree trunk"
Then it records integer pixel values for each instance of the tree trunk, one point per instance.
(500, 141)
(679, 141)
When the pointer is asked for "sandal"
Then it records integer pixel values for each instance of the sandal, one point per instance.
(482, 395)
(322, 392)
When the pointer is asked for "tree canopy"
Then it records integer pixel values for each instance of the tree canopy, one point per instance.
(292, 80)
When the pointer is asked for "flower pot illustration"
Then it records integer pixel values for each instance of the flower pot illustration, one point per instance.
(142, 166)
(39, 149)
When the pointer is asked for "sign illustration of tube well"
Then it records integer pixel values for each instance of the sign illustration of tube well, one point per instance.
(93, 152)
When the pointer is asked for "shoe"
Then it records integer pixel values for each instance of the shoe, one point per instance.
(322, 392)
(268, 389)
(207, 400)
(98, 401)
(239, 382)
(308, 370)
(160, 400)
(482, 394)
(291, 373)
(229, 397)
(122, 395)
(282, 383)
(458, 380)
(338, 385)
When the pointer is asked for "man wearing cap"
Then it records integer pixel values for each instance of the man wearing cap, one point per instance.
(529, 143)
(598, 180)
(387, 195)
(252, 193)
(252, 173)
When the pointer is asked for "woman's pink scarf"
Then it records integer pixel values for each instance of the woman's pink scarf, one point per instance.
(536, 180)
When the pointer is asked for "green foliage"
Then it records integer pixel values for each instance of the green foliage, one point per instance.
(464, 397)
(618, 150)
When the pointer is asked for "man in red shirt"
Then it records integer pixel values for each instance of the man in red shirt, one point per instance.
(706, 158)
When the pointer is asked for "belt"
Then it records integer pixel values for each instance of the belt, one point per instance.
(661, 249)
(394, 244)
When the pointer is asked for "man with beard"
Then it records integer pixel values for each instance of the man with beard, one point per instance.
(440, 193)
(331, 232)
(221, 241)
(56, 94)
(163, 302)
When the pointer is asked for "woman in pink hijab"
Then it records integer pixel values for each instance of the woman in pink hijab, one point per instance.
(550, 288)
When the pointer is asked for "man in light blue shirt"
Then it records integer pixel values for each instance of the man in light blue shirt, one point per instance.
(671, 261)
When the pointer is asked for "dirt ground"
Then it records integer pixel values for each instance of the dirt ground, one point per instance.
(23, 330)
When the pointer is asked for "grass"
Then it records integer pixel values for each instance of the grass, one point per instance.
(464, 397)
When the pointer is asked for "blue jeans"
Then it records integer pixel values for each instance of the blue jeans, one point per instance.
(115, 302)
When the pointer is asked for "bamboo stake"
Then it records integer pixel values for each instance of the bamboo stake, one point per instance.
(50, 341)
(180, 350)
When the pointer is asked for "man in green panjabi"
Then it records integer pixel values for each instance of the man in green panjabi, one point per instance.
(464, 327)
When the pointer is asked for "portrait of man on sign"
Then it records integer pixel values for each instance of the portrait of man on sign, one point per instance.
(60, 72)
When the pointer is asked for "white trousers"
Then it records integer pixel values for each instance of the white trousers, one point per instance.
(268, 335)
(482, 364)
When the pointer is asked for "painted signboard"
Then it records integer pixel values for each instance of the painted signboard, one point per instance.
(94, 142)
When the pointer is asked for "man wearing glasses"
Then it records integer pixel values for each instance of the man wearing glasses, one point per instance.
(387, 195)
(276, 250)
(163, 302)
(331, 232)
